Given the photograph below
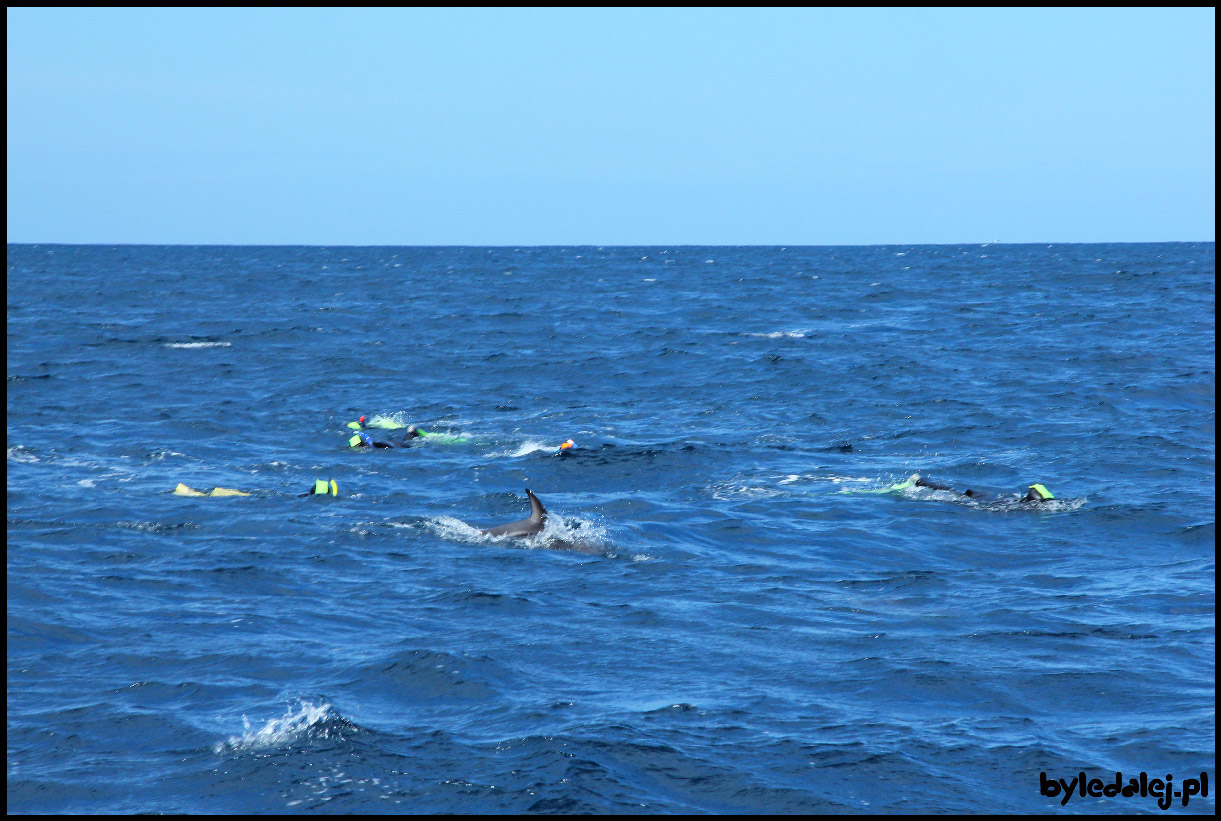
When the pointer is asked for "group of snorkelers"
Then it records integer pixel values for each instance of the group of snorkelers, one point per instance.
(329, 487)
(1036, 494)
(360, 439)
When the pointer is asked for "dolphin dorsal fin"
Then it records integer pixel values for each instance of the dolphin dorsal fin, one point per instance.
(537, 512)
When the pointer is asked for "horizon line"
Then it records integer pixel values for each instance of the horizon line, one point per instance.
(608, 245)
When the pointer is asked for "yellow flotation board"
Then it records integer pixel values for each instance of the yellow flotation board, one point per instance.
(183, 490)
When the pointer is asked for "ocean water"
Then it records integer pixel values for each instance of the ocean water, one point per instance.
(727, 612)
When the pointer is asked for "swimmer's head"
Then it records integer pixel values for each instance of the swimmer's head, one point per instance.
(567, 445)
(361, 420)
(412, 431)
(1038, 493)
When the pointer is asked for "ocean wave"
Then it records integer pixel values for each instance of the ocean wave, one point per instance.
(304, 721)
(22, 455)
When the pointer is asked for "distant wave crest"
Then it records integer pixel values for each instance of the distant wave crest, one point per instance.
(304, 721)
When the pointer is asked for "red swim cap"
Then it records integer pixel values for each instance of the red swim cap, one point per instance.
(362, 420)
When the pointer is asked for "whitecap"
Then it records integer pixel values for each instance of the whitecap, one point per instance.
(447, 527)
(295, 725)
(19, 453)
(526, 448)
(727, 492)
(393, 421)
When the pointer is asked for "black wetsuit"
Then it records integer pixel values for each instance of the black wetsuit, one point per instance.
(365, 441)
(979, 496)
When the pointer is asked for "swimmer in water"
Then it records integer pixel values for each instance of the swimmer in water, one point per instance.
(322, 487)
(1035, 494)
(414, 432)
(364, 440)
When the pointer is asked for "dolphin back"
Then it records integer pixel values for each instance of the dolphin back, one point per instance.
(524, 527)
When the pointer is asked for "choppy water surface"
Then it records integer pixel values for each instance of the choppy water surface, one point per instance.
(721, 615)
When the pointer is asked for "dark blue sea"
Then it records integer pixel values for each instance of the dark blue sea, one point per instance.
(735, 605)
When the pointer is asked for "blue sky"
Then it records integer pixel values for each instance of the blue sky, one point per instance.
(610, 126)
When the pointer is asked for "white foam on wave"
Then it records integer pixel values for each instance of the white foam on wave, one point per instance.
(1063, 505)
(574, 530)
(393, 421)
(447, 527)
(295, 725)
(799, 333)
(19, 453)
(198, 344)
(526, 448)
(162, 454)
(728, 492)
(820, 477)
(931, 493)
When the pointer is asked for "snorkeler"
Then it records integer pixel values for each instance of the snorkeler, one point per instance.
(1035, 493)
(414, 432)
(364, 440)
(322, 487)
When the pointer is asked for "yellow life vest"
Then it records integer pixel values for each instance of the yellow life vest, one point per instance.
(1043, 492)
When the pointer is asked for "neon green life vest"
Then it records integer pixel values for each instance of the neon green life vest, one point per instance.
(322, 487)
(1043, 492)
